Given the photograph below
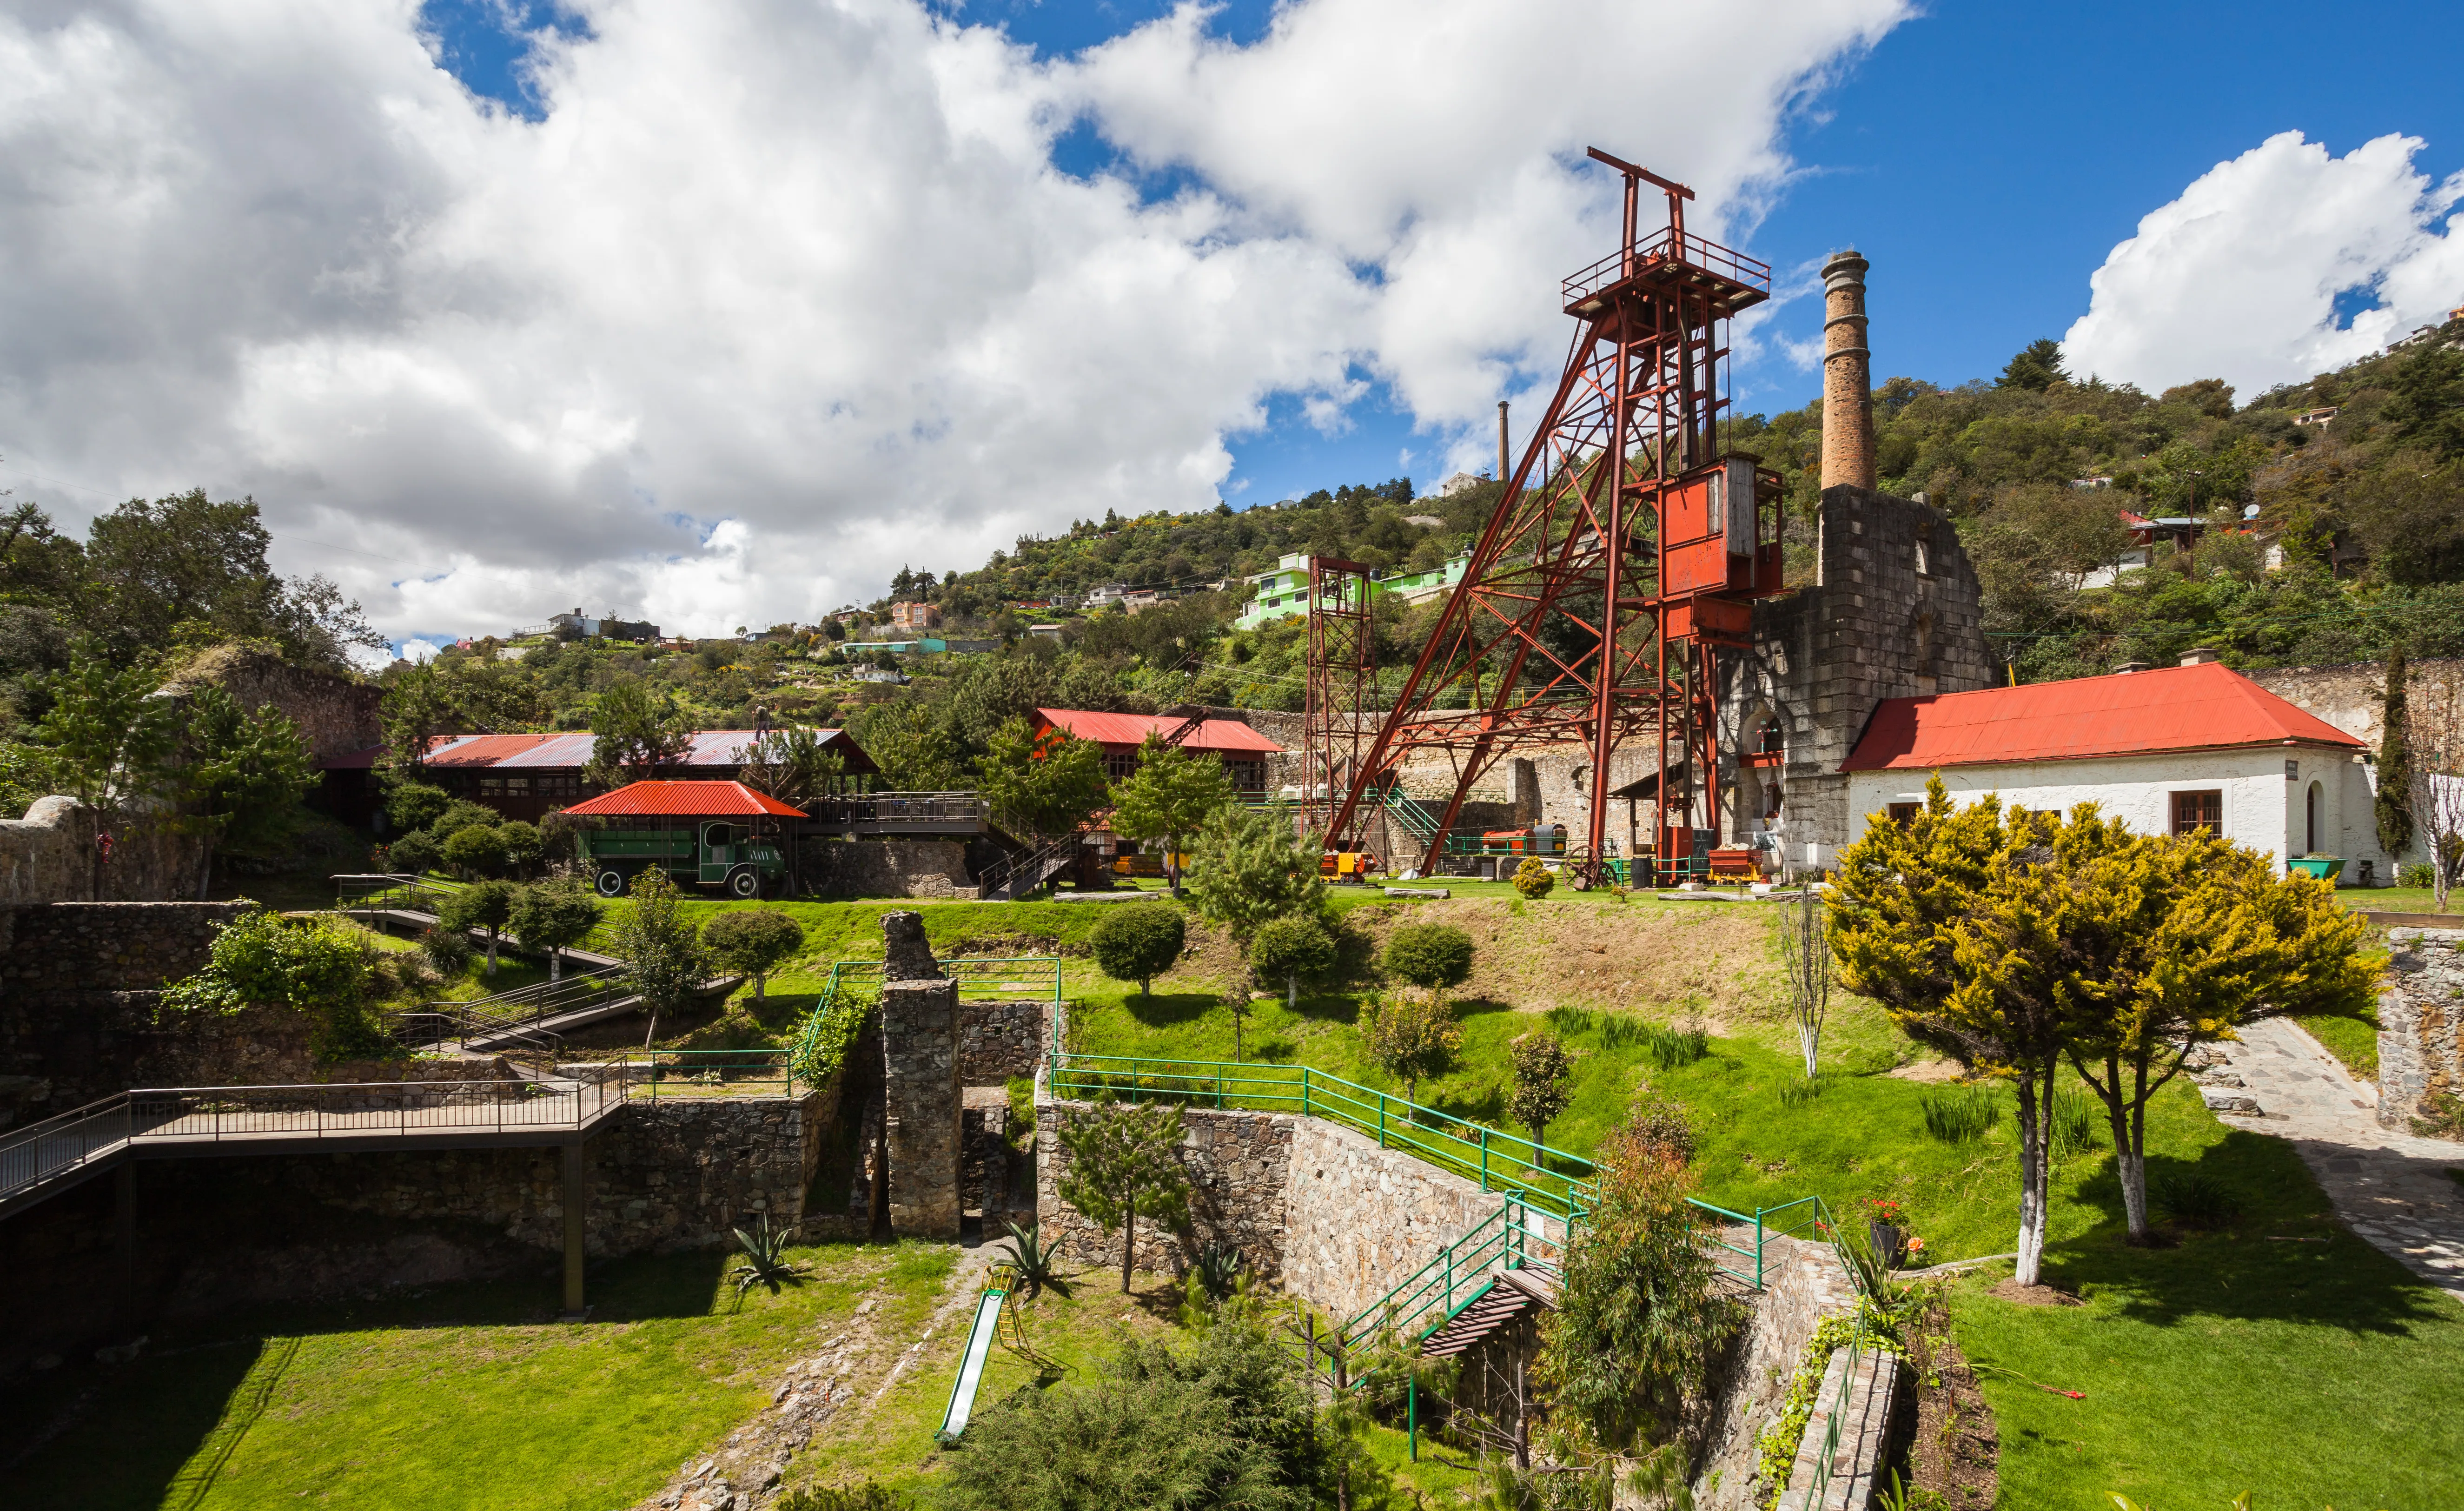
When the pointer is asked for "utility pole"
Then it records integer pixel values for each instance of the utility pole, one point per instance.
(1505, 453)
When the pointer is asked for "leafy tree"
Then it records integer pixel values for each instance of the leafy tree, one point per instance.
(1431, 957)
(2427, 407)
(2152, 945)
(1139, 943)
(477, 849)
(236, 773)
(1249, 870)
(482, 905)
(2038, 367)
(1292, 947)
(1124, 1165)
(1171, 795)
(555, 916)
(111, 735)
(411, 805)
(1042, 782)
(1922, 911)
(1533, 879)
(523, 845)
(637, 730)
(660, 946)
(460, 813)
(2395, 763)
(753, 942)
(792, 766)
(1640, 1316)
(186, 570)
(1539, 1089)
(908, 744)
(1411, 1037)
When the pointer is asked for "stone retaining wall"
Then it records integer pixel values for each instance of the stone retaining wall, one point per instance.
(1802, 1284)
(78, 988)
(1363, 1218)
(2420, 1014)
(998, 1040)
(888, 868)
(1239, 1166)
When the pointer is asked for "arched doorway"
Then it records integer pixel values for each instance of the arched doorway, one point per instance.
(2310, 802)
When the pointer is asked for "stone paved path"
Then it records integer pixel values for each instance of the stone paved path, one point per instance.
(2390, 1187)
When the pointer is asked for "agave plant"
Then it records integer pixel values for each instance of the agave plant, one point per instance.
(1038, 1264)
(765, 1260)
(1220, 1268)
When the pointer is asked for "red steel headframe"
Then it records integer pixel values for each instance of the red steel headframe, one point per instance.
(1342, 674)
(1615, 563)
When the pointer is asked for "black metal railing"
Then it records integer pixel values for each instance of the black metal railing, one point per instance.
(901, 807)
(1006, 881)
(515, 1017)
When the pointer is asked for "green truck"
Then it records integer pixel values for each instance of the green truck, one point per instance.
(715, 852)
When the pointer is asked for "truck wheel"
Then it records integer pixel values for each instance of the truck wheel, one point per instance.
(611, 883)
(745, 882)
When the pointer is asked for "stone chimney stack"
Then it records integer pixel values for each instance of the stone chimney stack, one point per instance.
(1847, 375)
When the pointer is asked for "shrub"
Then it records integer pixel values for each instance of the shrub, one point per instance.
(477, 849)
(2416, 875)
(447, 951)
(523, 845)
(1672, 1048)
(2194, 1201)
(1532, 879)
(660, 945)
(1412, 1038)
(1538, 1093)
(413, 805)
(1429, 956)
(415, 853)
(754, 941)
(1290, 949)
(1139, 943)
(319, 969)
(459, 815)
(870, 1495)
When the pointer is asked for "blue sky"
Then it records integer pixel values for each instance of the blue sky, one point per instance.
(1985, 157)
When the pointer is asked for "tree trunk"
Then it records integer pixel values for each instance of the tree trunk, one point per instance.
(758, 982)
(555, 964)
(205, 873)
(1293, 992)
(492, 951)
(1128, 1240)
(1809, 1037)
(2032, 1143)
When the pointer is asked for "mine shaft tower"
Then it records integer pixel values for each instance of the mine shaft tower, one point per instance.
(1622, 559)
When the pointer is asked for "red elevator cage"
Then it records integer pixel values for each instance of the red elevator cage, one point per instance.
(1622, 559)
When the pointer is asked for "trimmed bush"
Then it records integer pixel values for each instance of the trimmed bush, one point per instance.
(1532, 879)
(1139, 943)
(1429, 956)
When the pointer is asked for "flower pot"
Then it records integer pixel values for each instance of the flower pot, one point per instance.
(2325, 867)
(1888, 1242)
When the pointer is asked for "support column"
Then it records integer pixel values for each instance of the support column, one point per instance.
(921, 1105)
(576, 1215)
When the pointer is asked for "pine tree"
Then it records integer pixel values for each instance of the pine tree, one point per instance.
(2038, 367)
(2395, 766)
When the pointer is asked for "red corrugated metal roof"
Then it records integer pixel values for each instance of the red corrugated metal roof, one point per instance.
(1133, 729)
(2208, 707)
(683, 799)
(532, 752)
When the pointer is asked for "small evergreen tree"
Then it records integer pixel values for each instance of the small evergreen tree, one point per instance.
(415, 853)
(2038, 367)
(753, 941)
(1124, 1165)
(1290, 949)
(1533, 879)
(2394, 765)
(477, 849)
(522, 843)
(1139, 943)
(482, 905)
(1249, 870)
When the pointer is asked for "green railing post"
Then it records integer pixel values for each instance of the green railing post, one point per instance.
(1218, 1088)
(1758, 1248)
(1450, 1277)
(1484, 1162)
(1412, 1415)
(1304, 1096)
(1381, 1119)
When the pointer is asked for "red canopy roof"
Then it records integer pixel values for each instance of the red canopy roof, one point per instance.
(2207, 707)
(1133, 729)
(683, 799)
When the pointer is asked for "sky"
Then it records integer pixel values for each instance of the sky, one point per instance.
(721, 311)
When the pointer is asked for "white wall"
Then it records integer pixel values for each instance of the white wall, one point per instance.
(2262, 809)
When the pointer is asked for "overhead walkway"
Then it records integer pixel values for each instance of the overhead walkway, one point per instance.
(42, 1160)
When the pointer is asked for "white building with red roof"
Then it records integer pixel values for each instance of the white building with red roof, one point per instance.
(2194, 746)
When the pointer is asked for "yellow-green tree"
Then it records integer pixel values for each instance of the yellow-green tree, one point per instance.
(1945, 920)
(2168, 942)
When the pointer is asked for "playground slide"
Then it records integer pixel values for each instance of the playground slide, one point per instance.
(971, 1366)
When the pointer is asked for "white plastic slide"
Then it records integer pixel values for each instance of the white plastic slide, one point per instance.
(971, 1366)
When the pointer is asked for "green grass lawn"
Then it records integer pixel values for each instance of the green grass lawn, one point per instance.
(2397, 900)
(464, 1395)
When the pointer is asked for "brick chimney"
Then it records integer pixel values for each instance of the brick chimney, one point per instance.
(1847, 375)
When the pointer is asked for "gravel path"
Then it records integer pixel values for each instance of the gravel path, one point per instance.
(2390, 1187)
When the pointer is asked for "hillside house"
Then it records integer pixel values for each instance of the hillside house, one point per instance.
(528, 777)
(2189, 747)
(914, 615)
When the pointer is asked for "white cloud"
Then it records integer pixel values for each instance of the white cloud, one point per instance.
(779, 294)
(2238, 277)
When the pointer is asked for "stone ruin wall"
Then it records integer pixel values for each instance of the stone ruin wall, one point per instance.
(2421, 1023)
(336, 714)
(1001, 1041)
(48, 856)
(888, 868)
(1239, 1166)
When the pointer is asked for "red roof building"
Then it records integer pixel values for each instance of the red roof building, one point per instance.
(1242, 750)
(530, 776)
(2193, 747)
(683, 799)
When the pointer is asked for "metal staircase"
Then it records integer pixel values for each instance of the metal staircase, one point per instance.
(1024, 872)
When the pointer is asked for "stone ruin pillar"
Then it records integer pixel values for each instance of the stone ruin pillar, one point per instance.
(922, 1102)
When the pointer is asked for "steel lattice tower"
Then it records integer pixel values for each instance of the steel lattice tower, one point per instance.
(1624, 553)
